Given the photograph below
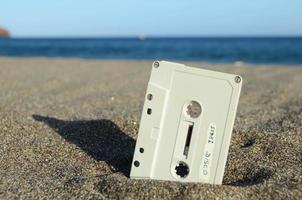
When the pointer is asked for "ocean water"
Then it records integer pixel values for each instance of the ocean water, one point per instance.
(215, 50)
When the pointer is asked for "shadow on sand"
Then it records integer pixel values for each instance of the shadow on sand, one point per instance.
(101, 139)
(256, 178)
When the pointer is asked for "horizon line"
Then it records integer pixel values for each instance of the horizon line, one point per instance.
(143, 37)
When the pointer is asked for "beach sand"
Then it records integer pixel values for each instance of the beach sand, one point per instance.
(68, 129)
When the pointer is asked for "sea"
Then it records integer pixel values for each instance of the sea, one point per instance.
(254, 50)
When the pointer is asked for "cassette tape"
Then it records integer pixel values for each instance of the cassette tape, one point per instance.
(186, 124)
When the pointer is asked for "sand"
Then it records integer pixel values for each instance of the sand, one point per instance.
(68, 130)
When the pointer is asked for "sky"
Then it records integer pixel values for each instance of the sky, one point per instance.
(114, 18)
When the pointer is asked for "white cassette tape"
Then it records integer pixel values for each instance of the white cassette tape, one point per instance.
(186, 124)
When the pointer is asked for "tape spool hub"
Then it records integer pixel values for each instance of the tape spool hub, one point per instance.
(182, 170)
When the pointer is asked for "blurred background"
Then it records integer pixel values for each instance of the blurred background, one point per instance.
(258, 32)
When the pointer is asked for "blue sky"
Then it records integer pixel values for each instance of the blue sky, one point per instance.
(93, 18)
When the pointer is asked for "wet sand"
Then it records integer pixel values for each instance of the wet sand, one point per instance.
(68, 130)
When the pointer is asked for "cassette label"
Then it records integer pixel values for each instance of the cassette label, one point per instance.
(208, 153)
